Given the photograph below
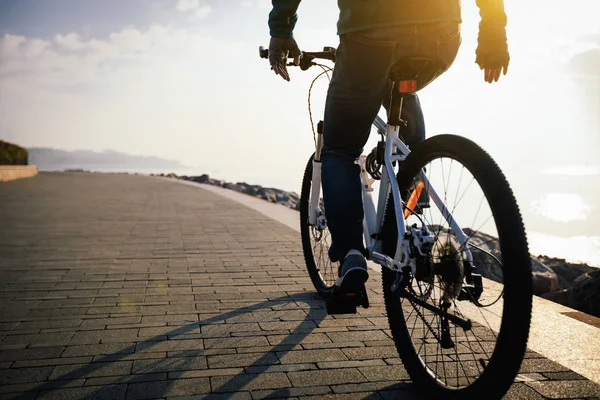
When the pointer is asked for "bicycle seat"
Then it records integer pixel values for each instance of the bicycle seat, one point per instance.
(409, 69)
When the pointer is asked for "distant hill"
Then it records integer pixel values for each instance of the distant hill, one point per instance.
(48, 159)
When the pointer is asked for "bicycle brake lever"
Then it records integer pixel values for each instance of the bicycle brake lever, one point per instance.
(306, 66)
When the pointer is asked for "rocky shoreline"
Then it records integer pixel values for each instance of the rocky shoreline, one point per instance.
(272, 195)
(574, 285)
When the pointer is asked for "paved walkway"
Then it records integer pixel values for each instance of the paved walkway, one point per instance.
(123, 287)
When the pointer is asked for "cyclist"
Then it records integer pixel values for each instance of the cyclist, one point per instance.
(374, 35)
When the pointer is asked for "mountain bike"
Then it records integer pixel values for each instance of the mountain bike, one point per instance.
(449, 237)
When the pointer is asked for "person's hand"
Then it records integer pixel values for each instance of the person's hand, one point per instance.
(492, 51)
(279, 50)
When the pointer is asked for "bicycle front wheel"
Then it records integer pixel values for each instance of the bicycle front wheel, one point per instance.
(316, 239)
(443, 359)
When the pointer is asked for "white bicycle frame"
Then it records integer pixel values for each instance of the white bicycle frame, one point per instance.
(395, 150)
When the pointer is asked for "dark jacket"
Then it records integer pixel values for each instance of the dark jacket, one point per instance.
(357, 15)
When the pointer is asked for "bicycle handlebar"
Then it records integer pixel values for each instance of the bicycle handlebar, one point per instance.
(306, 60)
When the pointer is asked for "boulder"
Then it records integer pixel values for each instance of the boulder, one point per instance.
(233, 186)
(545, 280)
(584, 295)
(560, 297)
(247, 189)
(288, 199)
(567, 272)
(201, 179)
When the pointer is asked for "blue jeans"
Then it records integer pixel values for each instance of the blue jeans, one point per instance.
(359, 86)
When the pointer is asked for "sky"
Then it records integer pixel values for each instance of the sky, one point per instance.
(181, 79)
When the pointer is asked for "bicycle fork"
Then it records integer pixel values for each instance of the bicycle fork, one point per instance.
(316, 178)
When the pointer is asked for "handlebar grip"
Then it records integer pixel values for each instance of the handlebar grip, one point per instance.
(328, 53)
(263, 53)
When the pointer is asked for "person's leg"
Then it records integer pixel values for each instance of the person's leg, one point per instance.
(353, 100)
(355, 95)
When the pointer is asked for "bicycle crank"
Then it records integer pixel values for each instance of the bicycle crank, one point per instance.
(458, 321)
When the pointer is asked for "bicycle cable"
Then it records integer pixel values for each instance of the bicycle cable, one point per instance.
(326, 70)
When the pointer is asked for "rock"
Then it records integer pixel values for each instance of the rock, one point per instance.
(247, 189)
(232, 186)
(267, 195)
(584, 295)
(288, 199)
(544, 279)
(201, 179)
(567, 272)
(560, 297)
(544, 282)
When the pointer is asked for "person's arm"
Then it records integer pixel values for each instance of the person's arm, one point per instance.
(492, 49)
(283, 18)
(493, 20)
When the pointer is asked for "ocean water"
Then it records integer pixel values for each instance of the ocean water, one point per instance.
(576, 249)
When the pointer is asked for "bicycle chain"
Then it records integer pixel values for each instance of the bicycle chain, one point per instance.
(435, 335)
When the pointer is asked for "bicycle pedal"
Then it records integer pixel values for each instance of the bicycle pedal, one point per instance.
(336, 306)
(346, 303)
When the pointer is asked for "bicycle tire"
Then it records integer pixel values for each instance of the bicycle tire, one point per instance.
(500, 369)
(321, 269)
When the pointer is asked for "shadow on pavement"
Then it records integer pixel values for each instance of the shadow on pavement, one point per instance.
(228, 389)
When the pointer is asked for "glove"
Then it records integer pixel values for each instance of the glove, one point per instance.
(279, 50)
(492, 50)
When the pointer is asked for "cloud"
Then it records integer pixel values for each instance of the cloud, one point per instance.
(194, 8)
(264, 4)
(129, 90)
(260, 4)
(70, 41)
(187, 5)
(202, 12)
(69, 59)
(586, 62)
(573, 170)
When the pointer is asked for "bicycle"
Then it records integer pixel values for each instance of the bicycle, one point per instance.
(458, 300)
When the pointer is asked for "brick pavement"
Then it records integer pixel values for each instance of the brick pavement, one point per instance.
(125, 287)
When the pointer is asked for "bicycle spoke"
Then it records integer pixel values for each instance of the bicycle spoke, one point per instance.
(320, 244)
(460, 364)
(455, 356)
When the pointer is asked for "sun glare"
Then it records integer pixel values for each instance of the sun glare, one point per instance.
(562, 207)
(574, 249)
(573, 170)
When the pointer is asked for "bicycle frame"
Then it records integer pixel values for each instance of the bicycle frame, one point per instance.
(395, 151)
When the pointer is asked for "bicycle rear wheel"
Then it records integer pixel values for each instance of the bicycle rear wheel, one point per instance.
(444, 360)
(316, 240)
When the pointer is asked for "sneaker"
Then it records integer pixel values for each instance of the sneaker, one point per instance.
(352, 273)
